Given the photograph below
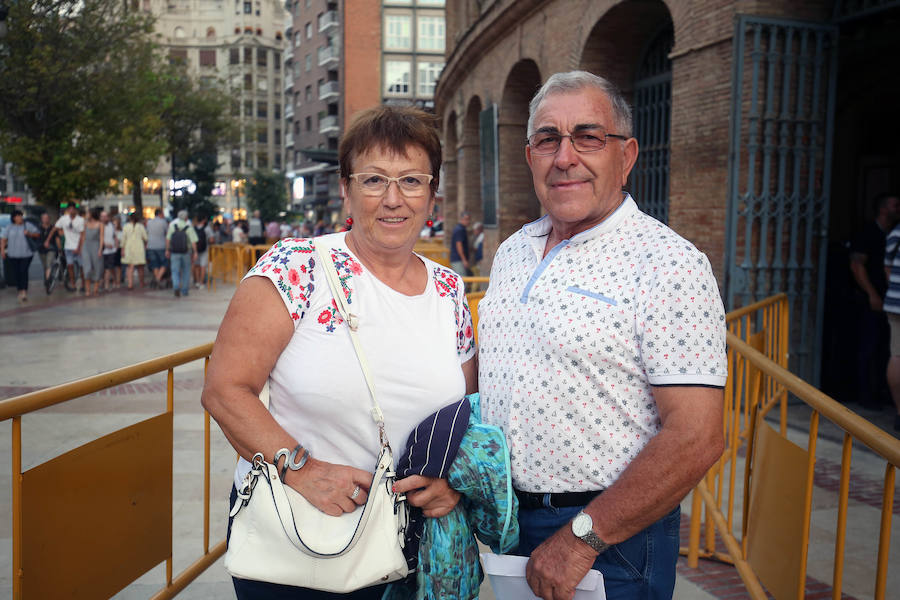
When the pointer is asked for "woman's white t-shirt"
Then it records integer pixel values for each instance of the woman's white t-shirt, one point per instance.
(414, 346)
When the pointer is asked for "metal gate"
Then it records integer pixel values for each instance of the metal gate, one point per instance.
(783, 90)
(652, 118)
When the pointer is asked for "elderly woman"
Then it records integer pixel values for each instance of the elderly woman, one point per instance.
(282, 327)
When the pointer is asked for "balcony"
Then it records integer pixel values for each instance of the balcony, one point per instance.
(288, 53)
(329, 124)
(288, 111)
(329, 56)
(288, 82)
(329, 21)
(331, 89)
(289, 140)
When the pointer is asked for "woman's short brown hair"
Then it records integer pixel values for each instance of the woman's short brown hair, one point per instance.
(394, 129)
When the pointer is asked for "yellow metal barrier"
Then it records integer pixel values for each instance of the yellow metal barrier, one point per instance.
(772, 547)
(121, 483)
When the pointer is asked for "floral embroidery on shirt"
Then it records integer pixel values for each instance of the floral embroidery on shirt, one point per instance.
(289, 265)
(346, 267)
(330, 317)
(447, 284)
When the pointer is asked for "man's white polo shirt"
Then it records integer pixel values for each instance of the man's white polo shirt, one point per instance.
(571, 343)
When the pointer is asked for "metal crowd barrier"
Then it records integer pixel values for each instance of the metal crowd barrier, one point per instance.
(773, 544)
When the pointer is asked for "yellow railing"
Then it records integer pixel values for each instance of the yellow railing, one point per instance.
(117, 487)
(773, 542)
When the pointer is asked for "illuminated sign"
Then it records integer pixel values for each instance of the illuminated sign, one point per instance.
(218, 189)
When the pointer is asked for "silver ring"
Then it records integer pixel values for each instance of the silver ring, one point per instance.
(355, 493)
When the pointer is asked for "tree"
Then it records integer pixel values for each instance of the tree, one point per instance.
(196, 124)
(266, 193)
(70, 75)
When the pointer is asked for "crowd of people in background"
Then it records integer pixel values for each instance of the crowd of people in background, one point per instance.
(105, 250)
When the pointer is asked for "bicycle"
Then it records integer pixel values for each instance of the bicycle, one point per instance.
(57, 272)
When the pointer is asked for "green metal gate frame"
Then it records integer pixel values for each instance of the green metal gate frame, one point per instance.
(782, 124)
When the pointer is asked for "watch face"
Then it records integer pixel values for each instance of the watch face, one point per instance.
(582, 525)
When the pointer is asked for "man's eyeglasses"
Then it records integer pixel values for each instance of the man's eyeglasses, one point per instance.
(544, 143)
(413, 185)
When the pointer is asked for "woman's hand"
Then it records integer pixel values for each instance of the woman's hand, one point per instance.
(330, 487)
(433, 495)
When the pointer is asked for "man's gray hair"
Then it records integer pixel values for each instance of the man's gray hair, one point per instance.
(574, 81)
(183, 215)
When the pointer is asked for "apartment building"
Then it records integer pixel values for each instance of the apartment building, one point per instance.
(343, 57)
(239, 44)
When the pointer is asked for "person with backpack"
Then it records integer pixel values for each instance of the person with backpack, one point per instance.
(181, 245)
(201, 259)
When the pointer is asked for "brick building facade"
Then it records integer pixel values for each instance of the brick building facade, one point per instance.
(761, 131)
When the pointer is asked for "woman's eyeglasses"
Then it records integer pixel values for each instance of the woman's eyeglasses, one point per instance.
(375, 184)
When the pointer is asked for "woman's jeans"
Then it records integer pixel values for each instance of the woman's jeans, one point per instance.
(247, 589)
(640, 568)
(19, 271)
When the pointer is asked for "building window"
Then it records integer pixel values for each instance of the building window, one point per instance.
(248, 8)
(179, 33)
(235, 108)
(277, 136)
(276, 61)
(248, 160)
(397, 32)
(234, 56)
(309, 123)
(309, 31)
(298, 38)
(276, 110)
(262, 84)
(248, 81)
(277, 160)
(262, 136)
(177, 56)
(427, 77)
(262, 160)
(298, 70)
(431, 33)
(262, 57)
(248, 56)
(396, 79)
(308, 62)
(308, 93)
(262, 110)
(207, 58)
(248, 108)
(431, 2)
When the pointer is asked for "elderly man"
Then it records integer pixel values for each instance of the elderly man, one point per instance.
(602, 356)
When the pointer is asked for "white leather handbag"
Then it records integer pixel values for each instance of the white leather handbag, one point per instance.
(279, 537)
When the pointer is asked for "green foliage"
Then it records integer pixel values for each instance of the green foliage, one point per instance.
(266, 193)
(196, 123)
(78, 99)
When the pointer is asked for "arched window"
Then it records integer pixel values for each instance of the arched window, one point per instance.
(211, 32)
(278, 35)
(179, 32)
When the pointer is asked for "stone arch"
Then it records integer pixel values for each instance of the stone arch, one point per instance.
(450, 209)
(518, 204)
(468, 158)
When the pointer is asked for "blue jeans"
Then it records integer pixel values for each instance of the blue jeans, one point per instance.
(640, 568)
(181, 272)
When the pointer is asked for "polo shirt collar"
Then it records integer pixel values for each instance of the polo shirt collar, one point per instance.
(541, 227)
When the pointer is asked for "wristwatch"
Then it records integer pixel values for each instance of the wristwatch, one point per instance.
(583, 529)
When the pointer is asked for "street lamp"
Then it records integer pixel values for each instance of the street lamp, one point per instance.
(236, 185)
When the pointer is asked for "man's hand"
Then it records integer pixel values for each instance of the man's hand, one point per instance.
(433, 495)
(558, 565)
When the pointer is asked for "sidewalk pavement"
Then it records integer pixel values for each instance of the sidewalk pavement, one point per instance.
(63, 337)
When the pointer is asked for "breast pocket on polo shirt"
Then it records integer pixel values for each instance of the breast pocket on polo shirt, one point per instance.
(592, 294)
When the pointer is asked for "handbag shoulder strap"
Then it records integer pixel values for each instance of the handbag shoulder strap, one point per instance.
(352, 319)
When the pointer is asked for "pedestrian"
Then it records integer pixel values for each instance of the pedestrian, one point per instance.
(71, 225)
(602, 356)
(92, 251)
(181, 246)
(459, 246)
(47, 249)
(17, 249)
(255, 232)
(110, 251)
(867, 254)
(892, 310)
(201, 259)
(239, 233)
(284, 230)
(477, 252)
(281, 316)
(134, 254)
(273, 232)
(156, 248)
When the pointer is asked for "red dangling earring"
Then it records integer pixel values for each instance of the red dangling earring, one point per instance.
(429, 223)
(349, 222)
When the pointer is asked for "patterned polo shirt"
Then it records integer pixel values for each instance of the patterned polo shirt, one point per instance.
(571, 344)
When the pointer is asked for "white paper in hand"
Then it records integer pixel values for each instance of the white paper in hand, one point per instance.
(507, 575)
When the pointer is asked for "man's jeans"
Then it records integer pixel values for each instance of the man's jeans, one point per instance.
(640, 568)
(181, 272)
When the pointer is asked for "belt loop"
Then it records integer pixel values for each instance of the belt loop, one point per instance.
(545, 501)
